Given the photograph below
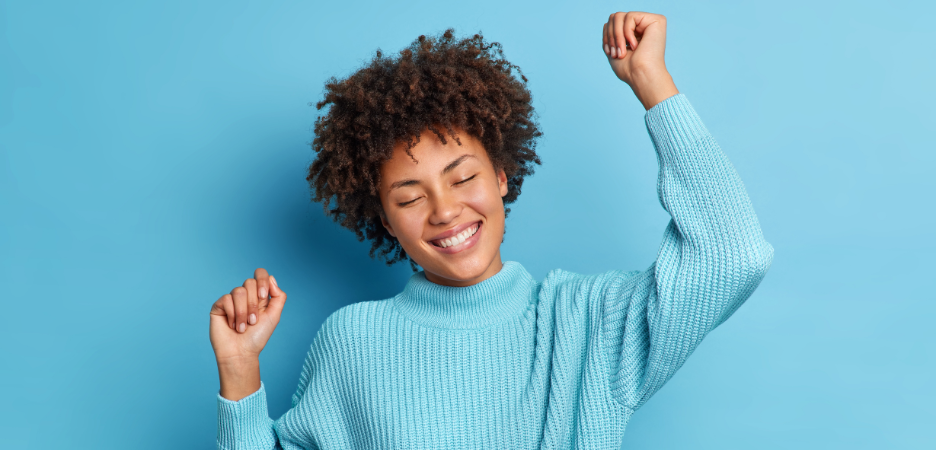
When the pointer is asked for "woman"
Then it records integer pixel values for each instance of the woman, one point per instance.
(420, 154)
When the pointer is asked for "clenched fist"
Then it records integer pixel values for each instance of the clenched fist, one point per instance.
(634, 43)
(243, 321)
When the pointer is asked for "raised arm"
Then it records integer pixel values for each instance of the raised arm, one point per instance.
(713, 253)
(246, 423)
(241, 324)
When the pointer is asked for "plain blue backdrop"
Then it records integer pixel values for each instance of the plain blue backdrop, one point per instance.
(153, 154)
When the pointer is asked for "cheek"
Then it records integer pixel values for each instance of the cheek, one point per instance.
(408, 225)
(485, 200)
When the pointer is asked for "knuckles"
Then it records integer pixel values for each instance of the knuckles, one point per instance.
(241, 291)
(624, 14)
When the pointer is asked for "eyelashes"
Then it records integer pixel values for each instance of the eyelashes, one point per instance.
(417, 198)
(467, 179)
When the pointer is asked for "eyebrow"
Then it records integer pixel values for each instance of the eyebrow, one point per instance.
(450, 167)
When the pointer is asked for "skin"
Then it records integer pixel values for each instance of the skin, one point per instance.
(446, 188)
(469, 192)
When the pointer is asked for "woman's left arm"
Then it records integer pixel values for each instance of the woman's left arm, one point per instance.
(635, 43)
(713, 253)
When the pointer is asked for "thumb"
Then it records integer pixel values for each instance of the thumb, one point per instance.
(277, 298)
(653, 33)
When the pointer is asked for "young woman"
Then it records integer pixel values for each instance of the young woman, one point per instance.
(420, 154)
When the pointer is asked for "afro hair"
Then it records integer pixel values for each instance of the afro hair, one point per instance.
(437, 83)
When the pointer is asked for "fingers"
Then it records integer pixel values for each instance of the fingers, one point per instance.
(608, 38)
(242, 305)
(604, 39)
(239, 294)
(224, 307)
(617, 35)
(621, 31)
(277, 300)
(614, 37)
(263, 287)
(643, 22)
(628, 27)
(252, 309)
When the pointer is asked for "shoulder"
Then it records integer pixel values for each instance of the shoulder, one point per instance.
(355, 311)
(356, 318)
(564, 283)
(578, 300)
(573, 293)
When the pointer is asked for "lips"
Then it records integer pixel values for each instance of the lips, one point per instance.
(457, 239)
(453, 232)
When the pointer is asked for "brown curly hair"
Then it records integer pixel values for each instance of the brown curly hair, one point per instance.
(436, 82)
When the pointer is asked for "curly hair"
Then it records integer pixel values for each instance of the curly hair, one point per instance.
(436, 82)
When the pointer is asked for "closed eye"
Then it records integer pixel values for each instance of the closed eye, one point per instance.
(467, 179)
(407, 203)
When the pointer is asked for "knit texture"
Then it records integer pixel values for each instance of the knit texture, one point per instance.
(513, 363)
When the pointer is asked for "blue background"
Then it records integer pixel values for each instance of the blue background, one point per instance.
(152, 154)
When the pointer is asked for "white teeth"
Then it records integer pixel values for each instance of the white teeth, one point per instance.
(458, 238)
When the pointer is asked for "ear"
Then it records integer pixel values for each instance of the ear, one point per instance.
(383, 220)
(502, 182)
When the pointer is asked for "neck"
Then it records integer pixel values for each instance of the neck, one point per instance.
(504, 296)
(492, 269)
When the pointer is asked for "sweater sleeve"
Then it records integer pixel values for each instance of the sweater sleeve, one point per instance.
(246, 424)
(712, 257)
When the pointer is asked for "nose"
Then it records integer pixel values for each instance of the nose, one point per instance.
(445, 208)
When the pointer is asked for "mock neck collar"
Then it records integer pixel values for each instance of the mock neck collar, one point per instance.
(500, 297)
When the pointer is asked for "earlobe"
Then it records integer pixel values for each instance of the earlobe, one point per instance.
(502, 182)
(383, 220)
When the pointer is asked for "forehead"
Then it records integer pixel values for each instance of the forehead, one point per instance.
(430, 155)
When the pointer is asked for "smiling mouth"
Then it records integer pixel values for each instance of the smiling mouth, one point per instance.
(458, 238)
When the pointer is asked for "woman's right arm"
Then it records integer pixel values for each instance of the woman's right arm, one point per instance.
(241, 324)
(246, 423)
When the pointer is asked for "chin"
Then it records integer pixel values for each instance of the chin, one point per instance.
(465, 272)
(460, 267)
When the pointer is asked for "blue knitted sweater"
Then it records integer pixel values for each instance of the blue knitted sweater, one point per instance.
(514, 363)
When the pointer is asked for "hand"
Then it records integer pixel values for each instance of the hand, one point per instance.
(243, 321)
(634, 43)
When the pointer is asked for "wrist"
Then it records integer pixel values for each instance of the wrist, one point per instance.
(235, 361)
(239, 377)
(652, 86)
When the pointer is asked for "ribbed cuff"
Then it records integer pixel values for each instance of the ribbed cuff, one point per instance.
(674, 124)
(246, 423)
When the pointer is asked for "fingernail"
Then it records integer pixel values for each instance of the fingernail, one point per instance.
(241, 327)
(263, 293)
(613, 52)
(273, 280)
(607, 49)
(252, 319)
(621, 52)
